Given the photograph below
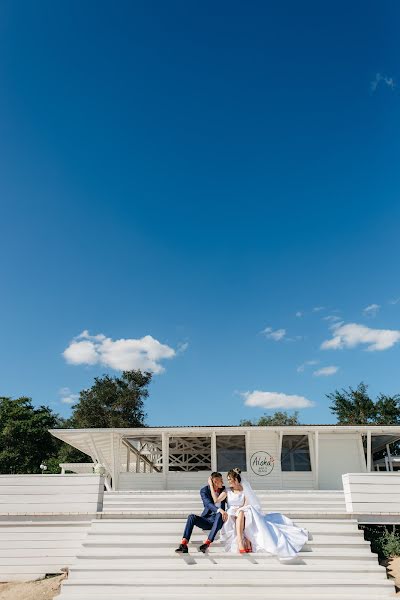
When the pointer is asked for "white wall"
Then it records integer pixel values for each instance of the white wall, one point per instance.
(43, 520)
(34, 494)
(372, 493)
(265, 440)
(339, 453)
(30, 549)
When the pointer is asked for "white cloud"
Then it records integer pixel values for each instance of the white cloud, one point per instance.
(326, 371)
(124, 354)
(389, 81)
(351, 335)
(277, 334)
(301, 368)
(332, 318)
(67, 397)
(275, 400)
(371, 310)
(394, 301)
(182, 347)
(299, 313)
(318, 308)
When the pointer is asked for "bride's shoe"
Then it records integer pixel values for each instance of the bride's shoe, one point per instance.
(247, 545)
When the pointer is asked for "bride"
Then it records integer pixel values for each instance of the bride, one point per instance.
(248, 529)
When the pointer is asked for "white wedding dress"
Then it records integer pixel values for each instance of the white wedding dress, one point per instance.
(272, 532)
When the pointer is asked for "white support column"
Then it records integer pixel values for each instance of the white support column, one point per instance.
(116, 459)
(95, 456)
(279, 457)
(213, 451)
(389, 457)
(280, 445)
(316, 462)
(369, 451)
(248, 457)
(128, 459)
(165, 457)
(112, 462)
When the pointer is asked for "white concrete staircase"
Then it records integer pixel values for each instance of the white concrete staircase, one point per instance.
(129, 554)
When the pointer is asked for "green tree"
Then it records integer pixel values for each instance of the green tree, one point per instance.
(113, 401)
(277, 419)
(24, 437)
(355, 407)
(387, 410)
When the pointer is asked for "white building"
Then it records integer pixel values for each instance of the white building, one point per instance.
(282, 458)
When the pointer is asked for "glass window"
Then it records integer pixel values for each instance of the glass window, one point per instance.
(295, 453)
(231, 452)
(190, 454)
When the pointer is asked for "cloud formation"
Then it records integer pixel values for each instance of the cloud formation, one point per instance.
(332, 318)
(275, 400)
(277, 334)
(122, 355)
(371, 310)
(351, 335)
(67, 397)
(301, 368)
(326, 371)
(389, 81)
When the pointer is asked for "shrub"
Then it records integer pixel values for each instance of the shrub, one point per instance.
(384, 542)
(390, 543)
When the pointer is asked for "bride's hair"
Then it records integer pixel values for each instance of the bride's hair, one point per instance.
(235, 474)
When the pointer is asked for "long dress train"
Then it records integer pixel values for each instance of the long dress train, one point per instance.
(273, 533)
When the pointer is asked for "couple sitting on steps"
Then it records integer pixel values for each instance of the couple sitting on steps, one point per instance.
(236, 512)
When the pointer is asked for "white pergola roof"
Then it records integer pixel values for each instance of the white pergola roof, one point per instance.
(98, 443)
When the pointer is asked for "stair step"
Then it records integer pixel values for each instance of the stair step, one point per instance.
(240, 569)
(197, 576)
(173, 515)
(226, 564)
(232, 593)
(133, 540)
(152, 551)
(219, 582)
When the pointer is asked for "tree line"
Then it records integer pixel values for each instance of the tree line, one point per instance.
(120, 402)
(25, 441)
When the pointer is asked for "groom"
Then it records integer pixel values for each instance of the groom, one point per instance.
(212, 518)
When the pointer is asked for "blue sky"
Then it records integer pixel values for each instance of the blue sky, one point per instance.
(209, 190)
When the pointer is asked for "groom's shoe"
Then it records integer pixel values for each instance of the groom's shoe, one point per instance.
(182, 548)
(204, 547)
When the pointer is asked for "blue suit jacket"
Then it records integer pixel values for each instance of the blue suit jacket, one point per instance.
(209, 506)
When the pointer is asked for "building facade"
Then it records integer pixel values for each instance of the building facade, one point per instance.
(287, 457)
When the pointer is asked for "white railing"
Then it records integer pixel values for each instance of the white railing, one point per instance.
(76, 467)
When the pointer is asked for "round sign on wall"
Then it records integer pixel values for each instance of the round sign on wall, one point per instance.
(262, 463)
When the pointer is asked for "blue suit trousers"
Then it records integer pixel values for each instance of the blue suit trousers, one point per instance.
(213, 523)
